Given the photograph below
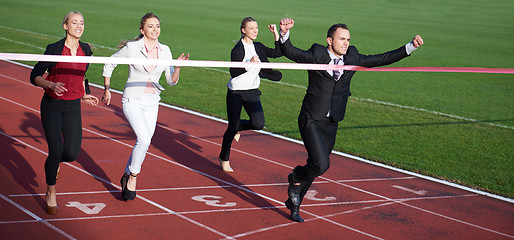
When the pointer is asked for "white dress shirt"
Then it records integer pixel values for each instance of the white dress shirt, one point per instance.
(250, 79)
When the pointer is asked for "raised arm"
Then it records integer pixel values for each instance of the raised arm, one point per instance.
(290, 51)
(390, 56)
(175, 75)
(285, 25)
(273, 29)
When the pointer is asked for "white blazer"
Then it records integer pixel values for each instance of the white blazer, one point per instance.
(138, 75)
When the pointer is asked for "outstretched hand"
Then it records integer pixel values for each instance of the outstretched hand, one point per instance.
(182, 57)
(285, 25)
(417, 41)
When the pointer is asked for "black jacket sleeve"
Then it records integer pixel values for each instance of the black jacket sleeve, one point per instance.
(236, 55)
(41, 67)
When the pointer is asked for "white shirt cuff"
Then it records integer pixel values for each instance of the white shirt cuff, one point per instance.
(284, 38)
(409, 47)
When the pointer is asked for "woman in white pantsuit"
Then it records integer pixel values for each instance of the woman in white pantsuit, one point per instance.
(141, 94)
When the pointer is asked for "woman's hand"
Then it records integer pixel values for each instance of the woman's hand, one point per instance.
(273, 29)
(182, 57)
(58, 88)
(107, 97)
(255, 59)
(92, 100)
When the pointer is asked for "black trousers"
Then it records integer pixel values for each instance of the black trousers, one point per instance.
(319, 138)
(62, 123)
(236, 100)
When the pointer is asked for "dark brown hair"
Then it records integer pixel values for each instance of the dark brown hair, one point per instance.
(334, 28)
(243, 24)
(141, 26)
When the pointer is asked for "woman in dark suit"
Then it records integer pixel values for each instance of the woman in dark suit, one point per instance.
(244, 83)
(65, 86)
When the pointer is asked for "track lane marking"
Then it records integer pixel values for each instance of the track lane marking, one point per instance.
(36, 217)
(201, 173)
(333, 181)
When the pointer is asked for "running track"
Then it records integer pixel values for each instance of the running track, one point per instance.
(183, 194)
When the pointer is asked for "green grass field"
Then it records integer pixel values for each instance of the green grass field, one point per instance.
(411, 134)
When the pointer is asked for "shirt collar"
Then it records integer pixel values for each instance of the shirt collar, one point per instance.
(141, 44)
(333, 56)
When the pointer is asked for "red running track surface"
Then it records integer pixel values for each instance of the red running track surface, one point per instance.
(183, 194)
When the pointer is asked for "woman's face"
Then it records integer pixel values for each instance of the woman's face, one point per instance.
(251, 30)
(74, 26)
(151, 29)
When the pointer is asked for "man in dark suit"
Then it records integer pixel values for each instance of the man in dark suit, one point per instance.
(324, 104)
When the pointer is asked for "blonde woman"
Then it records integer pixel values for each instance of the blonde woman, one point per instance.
(65, 86)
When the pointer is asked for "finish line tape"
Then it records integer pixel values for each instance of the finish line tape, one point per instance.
(200, 63)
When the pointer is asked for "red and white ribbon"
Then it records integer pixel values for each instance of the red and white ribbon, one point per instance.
(224, 64)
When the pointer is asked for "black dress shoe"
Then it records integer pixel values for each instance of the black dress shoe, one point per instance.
(295, 211)
(294, 191)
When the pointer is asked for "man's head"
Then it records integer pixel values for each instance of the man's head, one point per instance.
(338, 39)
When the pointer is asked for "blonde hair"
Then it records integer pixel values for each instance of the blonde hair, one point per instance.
(65, 20)
(67, 17)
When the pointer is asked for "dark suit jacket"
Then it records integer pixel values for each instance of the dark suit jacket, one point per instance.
(324, 93)
(238, 53)
(56, 49)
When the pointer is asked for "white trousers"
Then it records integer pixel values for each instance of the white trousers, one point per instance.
(141, 114)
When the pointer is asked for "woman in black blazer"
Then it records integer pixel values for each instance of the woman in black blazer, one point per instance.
(65, 86)
(244, 83)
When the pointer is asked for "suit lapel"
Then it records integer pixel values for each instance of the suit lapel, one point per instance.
(325, 59)
(142, 49)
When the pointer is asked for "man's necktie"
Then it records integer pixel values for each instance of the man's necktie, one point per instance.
(337, 73)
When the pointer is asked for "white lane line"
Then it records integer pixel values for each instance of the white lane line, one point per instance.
(22, 43)
(206, 175)
(36, 217)
(112, 184)
(244, 189)
(90, 218)
(246, 209)
(418, 192)
(383, 203)
(432, 112)
(207, 187)
(458, 220)
(241, 188)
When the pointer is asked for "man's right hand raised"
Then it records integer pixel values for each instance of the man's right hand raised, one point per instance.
(285, 25)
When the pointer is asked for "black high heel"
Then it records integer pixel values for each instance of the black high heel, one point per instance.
(123, 181)
(125, 193)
